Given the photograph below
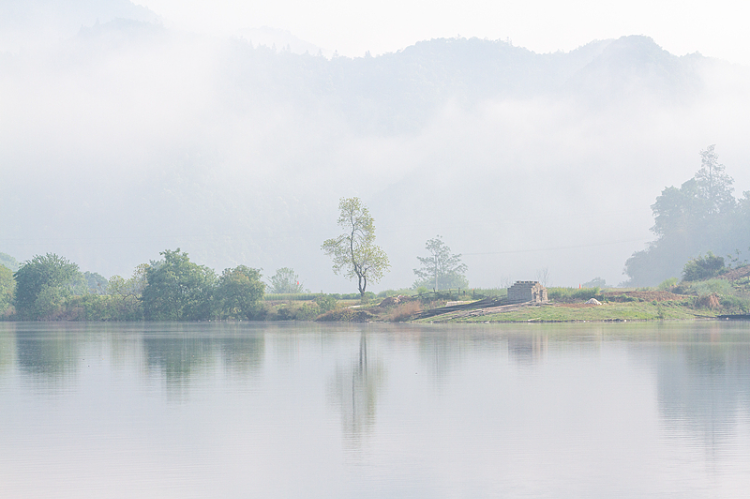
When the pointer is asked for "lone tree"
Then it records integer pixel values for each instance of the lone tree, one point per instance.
(355, 252)
(440, 270)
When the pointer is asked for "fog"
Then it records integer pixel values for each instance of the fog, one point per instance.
(120, 138)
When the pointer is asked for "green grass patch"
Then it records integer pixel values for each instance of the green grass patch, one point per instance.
(644, 311)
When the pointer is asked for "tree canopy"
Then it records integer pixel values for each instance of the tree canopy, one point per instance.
(441, 269)
(285, 281)
(43, 283)
(239, 291)
(178, 289)
(354, 252)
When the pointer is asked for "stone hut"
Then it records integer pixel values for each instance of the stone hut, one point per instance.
(523, 291)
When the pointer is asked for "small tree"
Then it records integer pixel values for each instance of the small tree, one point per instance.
(355, 252)
(239, 291)
(285, 281)
(441, 269)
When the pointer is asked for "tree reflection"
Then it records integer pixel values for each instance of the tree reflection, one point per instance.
(51, 355)
(7, 346)
(702, 384)
(184, 353)
(527, 348)
(441, 351)
(354, 391)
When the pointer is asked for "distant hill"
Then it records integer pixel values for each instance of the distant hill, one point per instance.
(31, 24)
(124, 138)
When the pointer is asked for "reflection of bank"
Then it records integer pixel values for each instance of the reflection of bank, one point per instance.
(354, 391)
(704, 389)
(527, 348)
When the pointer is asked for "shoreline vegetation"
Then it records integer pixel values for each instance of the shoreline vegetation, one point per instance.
(723, 295)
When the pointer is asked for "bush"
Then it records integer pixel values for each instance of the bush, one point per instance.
(295, 311)
(736, 304)
(701, 268)
(403, 311)
(574, 294)
(326, 303)
(712, 286)
(668, 285)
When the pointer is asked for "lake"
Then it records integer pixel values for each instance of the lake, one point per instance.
(375, 411)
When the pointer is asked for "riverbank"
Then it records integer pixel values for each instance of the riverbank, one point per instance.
(564, 312)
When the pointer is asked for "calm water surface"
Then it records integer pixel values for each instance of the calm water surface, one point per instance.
(268, 410)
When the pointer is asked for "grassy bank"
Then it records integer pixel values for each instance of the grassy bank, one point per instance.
(632, 311)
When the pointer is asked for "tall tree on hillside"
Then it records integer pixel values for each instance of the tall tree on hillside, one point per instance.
(441, 269)
(714, 185)
(701, 215)
(354, 252)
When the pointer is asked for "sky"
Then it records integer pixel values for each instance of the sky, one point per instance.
(715, 29)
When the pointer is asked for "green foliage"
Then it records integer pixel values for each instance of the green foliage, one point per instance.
(239, 291)
(703, 267)
(96, 283)
(596, 282)
(668, 284)
(702, 213)
(9, 262)
(285, 281)
(42, 285)
(735, 304)
(295, 296)
(712, 286)
(573, 294)
(479, 293)
(355, 252)
(7, 285)
(178, 289)
(298, 311)
(441, 269)
(326, 303)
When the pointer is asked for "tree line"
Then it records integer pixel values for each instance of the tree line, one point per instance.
(173, 288)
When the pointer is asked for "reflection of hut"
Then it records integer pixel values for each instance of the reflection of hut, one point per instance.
(523, 291)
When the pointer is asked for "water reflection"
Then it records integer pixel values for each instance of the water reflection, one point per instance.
(441, 351)
(354, 390)
(51, 357)
(703, 385)
(527, 348)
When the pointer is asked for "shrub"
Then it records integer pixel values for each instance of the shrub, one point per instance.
(297, 311)
(736, 304)
(573, 294)
(707, 301)
(704, 267)
(326, 303)
(668, 285)
(712, 286)
(404, 310)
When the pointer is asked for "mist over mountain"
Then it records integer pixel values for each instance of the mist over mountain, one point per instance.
(123, 138)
